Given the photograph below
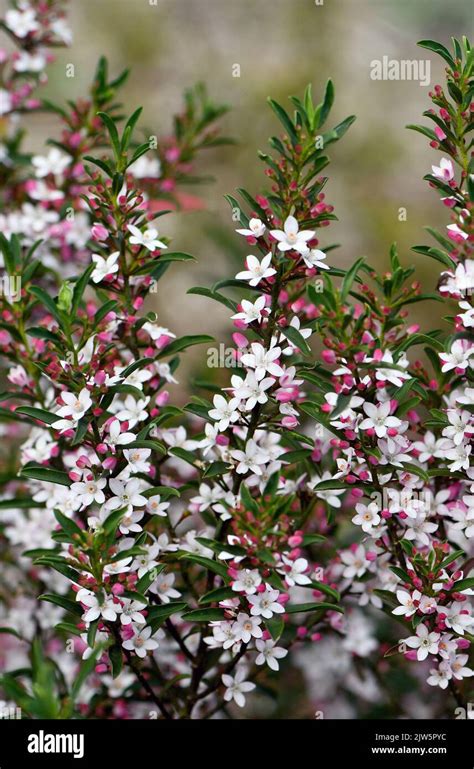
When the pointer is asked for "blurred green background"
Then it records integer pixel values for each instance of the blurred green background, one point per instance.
(280, 46)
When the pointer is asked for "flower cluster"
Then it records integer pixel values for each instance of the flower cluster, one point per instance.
(185, 556)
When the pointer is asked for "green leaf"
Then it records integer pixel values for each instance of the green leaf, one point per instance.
(204, 615)
(284, 120)
(113, 133)
(159, 614)
(64, 603)
(350, 277)
(79, 289)
(219, 594)
(463, 584)
(40, 473)
(326, 105)
(207, 563)
(184, 342)
(40, 414)
(297, 339)
(303, 607)
(450, 558)
(432, 45)
(275, 626)
(116, 659)
(68, 525)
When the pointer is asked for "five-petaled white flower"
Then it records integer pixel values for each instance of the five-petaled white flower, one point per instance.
(104, 606)
(256, 271)
(291, 237)
(236, 687)
(76, 405)
(379, 419)
(247, 581)
(263, 360)
(265, 604)
(424, 641)
(367, 516)
(141, 642)
(246, 627)
(224, 412)
(269, 653)
(251, 311)
(148, 239)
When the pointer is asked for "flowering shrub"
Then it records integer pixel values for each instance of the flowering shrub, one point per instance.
(170, 562)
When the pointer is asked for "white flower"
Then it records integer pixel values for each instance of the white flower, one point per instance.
(247, 581)
(459, 668)
(104, 267)
(145, 167)
(392, 375)
(208, 496)
(156, 331)
(458, 356)
(163, 586)
(118, 567)
(89, 491)
(246, 627)
(467, 318)
(256, 271)
(419, 528)
(156, 507)
(440, 676)
(263, 360)
(141, 642)
(424, 641)
(294, 571)
(21, 23)
(459, 457)
(255, 229)
(129, 522)
(379, 419)
(125, 494)
(30, 62)
(251, 311)
(407, 603)
(236, 688)
(149, 238)
(291, 238)
(356, 563)
(137, 460)
(313, 257)
(265, 604)
(460, 424)
(116, 437)
(269, 654)
(6, 104)
(75, 407)
(250, 390)
(444, 171)
(367, 517)
(251, 459)
(104, 607)
(457, 617)
(134, 411)
(55, 162)
(224, 411)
